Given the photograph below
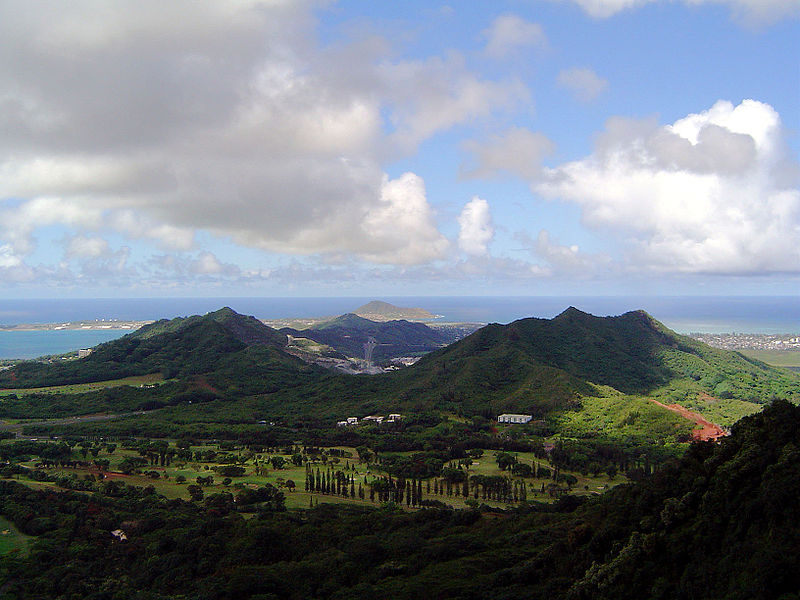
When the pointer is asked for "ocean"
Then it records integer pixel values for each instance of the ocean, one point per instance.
(684, 314)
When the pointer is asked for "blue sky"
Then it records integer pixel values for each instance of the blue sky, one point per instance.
(528, 147)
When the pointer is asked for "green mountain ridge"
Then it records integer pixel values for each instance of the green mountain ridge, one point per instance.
(541, 367)
(348, 333)
(578, 371)
(223, 344)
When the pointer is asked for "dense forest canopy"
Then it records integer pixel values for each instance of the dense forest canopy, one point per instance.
(719, 523)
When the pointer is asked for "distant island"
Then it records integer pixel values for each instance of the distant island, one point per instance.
(383, 311)
(375, 310)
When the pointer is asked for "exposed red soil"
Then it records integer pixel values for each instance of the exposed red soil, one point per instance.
(706, 430)
(201, 383)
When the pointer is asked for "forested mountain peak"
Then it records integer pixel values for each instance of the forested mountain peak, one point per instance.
(537, 361)
(246, 329)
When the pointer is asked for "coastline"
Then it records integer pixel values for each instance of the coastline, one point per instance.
(100, 325)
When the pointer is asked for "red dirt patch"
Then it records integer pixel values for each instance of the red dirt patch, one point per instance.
(706, 398)
(706, 431)
(201, 383)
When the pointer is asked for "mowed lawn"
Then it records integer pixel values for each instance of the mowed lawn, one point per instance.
(80, 388)
(11, 540)
(776, 358)
(259, 471)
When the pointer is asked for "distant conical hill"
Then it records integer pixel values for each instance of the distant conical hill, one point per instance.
(378, 310)
(222, 345)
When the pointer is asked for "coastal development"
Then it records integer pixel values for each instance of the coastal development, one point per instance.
(93, 325)
(750, 341)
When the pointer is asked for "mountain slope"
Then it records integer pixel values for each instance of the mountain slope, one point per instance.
(219, 342)
(632, 353)
(541, 366)
(348, 334)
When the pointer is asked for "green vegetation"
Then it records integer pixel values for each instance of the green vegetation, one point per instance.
(80, 388)
(236, 483)
(776, 358)
(12, 541)
(719, 523)
(620, 417)
(332, 474)
(348, 333)
(229, 372)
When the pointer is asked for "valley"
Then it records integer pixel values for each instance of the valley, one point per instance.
(218, 429)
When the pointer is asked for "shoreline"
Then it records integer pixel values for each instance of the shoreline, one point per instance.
(76, 326)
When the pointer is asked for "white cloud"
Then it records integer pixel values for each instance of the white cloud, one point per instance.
(517, 151)
(564, 257)
(510, 32)
(400, 229)
(711, 193)
(755, 12)
(476, 229)
(237, 123)
(87, 247)
(435, 94)
(585, 84)
(8, 259)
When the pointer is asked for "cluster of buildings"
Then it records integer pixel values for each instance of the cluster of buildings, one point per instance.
(514, 418)
(750, 341)
(351, 421)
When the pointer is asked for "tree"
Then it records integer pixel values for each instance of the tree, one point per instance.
(297, 459)
(364, 454)
(522, 470)
(505, 460)
(277, 462)
(195, 492)
(131, 464)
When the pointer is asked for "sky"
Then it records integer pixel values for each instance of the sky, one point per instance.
(322, 148)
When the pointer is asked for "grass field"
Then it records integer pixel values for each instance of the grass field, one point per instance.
(259, 472)
(622, 416)
(80, 388)
(721, 411)
(776, 358)
(11, 540)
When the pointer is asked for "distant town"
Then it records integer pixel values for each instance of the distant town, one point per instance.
(96, 324)
(750, 341)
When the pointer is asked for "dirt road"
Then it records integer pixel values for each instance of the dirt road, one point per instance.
(706, 430)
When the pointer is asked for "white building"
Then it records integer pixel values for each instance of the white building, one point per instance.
(512, 418)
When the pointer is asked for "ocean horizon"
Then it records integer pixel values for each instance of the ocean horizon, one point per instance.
(684, 314)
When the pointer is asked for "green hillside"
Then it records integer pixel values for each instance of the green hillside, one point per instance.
(576, 373)
(348, 334)
(719, 523)
(538, 366)
(221, 342)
